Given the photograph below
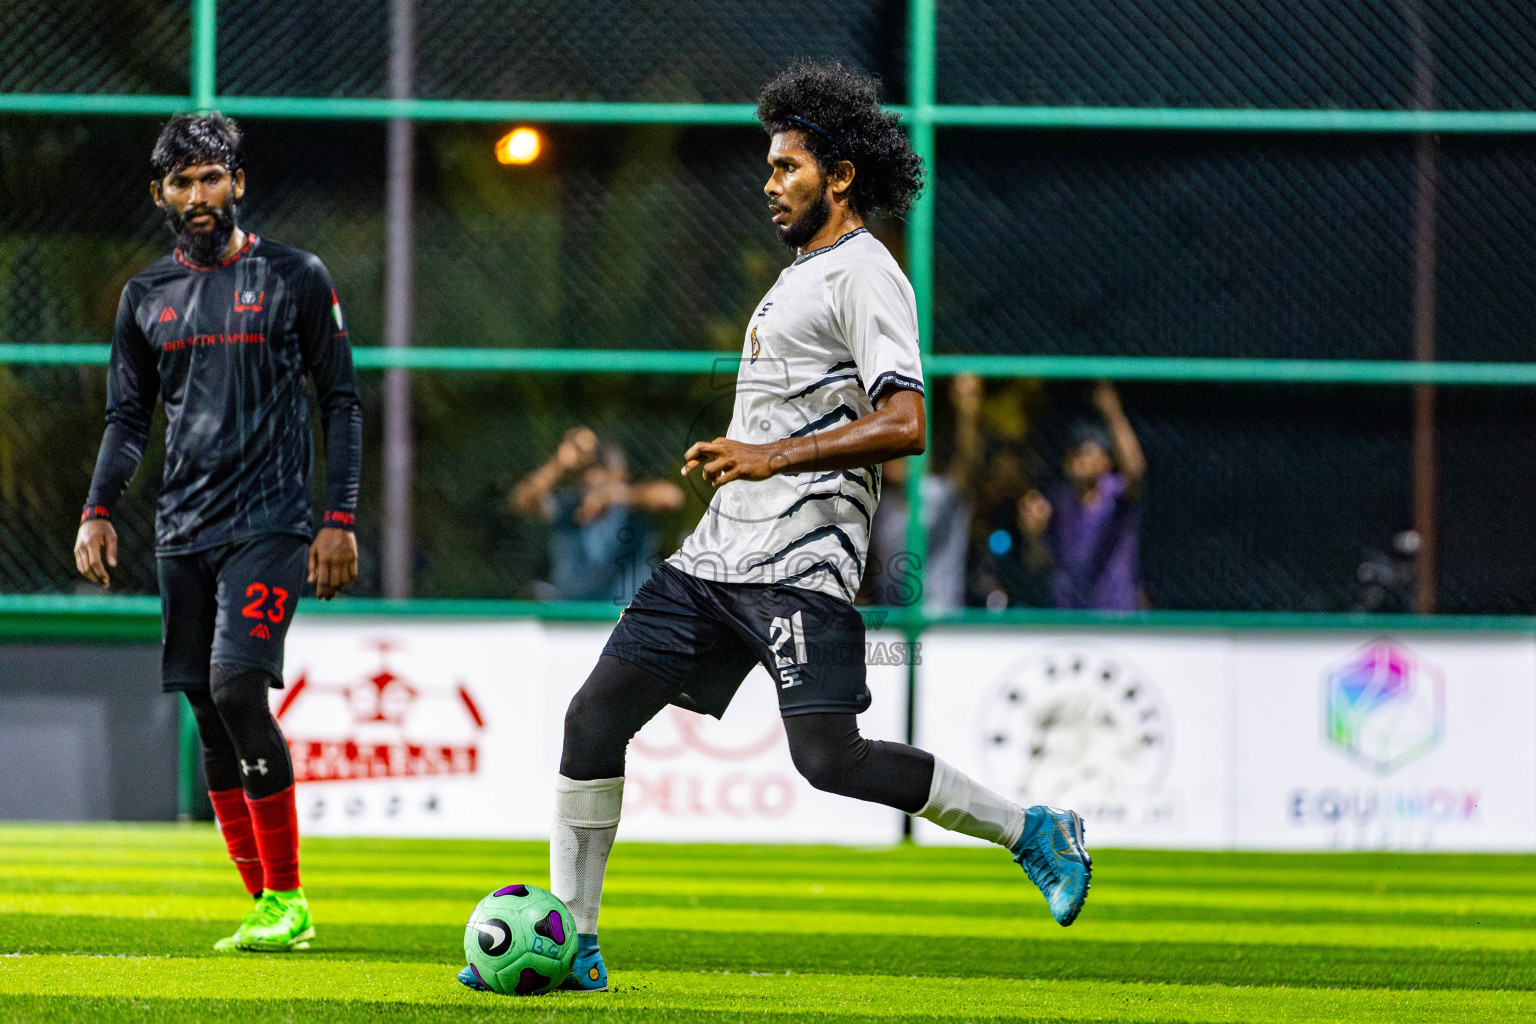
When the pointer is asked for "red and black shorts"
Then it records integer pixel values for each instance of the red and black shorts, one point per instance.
(229, 605)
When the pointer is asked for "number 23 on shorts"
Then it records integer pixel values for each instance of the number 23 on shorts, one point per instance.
(260, 591)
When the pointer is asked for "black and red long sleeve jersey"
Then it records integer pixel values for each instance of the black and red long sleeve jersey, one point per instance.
(227, 348)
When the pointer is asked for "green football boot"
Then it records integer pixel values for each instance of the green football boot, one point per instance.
(281, 924)
(229, 942)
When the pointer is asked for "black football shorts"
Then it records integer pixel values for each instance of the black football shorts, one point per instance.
(706, 636)
(229, 605)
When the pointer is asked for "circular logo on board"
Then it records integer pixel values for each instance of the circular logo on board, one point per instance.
(1075, 726)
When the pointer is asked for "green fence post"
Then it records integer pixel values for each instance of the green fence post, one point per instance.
(186, 786)
(205, 34)
(922, 28)
(205, 24)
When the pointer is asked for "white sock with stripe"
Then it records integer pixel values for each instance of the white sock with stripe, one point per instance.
(586, 821)
(961, 804)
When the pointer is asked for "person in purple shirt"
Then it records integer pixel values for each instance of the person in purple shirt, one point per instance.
(1086, 530)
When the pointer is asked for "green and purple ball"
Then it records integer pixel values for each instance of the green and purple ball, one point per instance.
(520, 941)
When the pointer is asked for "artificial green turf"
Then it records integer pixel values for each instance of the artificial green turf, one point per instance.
(872, 995)
(105, 923)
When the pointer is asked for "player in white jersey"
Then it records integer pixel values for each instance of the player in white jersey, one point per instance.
(830, 387)
(833, 342)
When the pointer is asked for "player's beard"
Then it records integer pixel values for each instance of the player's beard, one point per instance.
(805, 227)
(203, 247)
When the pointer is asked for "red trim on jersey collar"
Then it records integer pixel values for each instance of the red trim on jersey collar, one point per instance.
(250, 240)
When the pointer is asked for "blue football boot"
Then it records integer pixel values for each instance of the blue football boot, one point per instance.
(587, 973)
(1052, 854)
(471, 977)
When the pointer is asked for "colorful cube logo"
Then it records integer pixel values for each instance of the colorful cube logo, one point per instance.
(1385, 707)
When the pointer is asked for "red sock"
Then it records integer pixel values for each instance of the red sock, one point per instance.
(276, 821)
(235, 822)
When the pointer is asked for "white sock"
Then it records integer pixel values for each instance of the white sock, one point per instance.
(586, 820)
(961, 804)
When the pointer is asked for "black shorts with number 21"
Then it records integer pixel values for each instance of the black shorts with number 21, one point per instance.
(230, 606)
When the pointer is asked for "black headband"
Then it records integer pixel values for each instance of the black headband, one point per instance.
(818, 129)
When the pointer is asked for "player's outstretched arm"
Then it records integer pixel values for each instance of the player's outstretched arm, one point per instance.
(897, 427)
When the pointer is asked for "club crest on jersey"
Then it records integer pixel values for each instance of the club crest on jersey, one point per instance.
(757, 346)
(250, 285)
(167, 315)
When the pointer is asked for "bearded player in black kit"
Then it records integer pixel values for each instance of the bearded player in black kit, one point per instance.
(224, 328)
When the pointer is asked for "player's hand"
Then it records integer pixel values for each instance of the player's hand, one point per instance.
(1034, 514)
(332, 561)
(722, 460)
(95, 550)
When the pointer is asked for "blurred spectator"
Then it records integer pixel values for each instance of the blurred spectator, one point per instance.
(948, 504)
(1086, 530)
(602, 534)
(1388, 581)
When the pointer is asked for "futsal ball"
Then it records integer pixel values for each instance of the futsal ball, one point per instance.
(520, 940)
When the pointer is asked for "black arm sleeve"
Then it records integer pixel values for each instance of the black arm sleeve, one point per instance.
(133, 383)
(328, 358)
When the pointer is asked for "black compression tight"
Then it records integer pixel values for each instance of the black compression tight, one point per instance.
(830, 753)
(242, 745)
(618, 699)
(611, 706)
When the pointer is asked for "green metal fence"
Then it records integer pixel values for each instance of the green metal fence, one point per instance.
(925, 23)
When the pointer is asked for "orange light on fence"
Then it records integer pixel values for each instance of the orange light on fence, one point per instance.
(519, 146)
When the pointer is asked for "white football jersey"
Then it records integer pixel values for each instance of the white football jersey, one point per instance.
(837, 331)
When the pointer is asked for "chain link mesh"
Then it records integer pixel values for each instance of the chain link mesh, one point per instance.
(1273, 498)
(718, 51)
(1216, 245)
(1485, 266)
(653, 237)
(1487, 501)
(594, 249)
(1260, 498)
(1213, 53)
(85, 46)
(304, 49)
(1175, 245)
(631, 237)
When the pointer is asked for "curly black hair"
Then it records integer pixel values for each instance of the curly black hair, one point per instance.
(189, 139)
(837, 110)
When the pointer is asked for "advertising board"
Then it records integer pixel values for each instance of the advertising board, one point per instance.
(1131, 730)
(406, 728)
(1165, 739)
(1359, 742)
